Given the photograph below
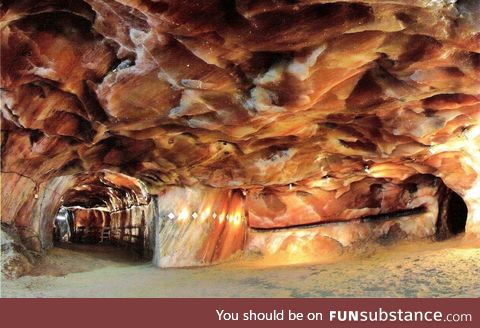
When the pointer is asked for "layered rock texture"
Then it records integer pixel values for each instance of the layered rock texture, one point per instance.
(318, 110)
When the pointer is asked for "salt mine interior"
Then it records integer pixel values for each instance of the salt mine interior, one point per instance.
(196, 133)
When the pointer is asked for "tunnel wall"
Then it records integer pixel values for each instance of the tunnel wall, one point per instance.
(307, 224)
(31, 207)
(188, 233)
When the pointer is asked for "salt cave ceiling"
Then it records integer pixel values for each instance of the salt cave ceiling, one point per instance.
(243, 94)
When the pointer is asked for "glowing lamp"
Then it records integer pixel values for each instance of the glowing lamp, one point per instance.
(183, 214)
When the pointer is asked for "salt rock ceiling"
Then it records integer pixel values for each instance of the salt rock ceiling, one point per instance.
(106, 190)
(286, 95)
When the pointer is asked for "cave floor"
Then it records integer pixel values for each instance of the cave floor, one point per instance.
(420, 269)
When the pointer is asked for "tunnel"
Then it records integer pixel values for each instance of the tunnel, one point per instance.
(105, 209)
(199, 133)
(453, 213)
(182, 227)
(457, 214)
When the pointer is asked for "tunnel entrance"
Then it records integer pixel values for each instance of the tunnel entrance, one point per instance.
(453, 214)
(456, 214)
(105, 209)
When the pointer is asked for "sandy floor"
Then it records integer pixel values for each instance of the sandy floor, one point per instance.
(426, 269)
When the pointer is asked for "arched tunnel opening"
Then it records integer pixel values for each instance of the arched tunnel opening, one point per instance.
(457, 214)
(453, 213)
(105, 210)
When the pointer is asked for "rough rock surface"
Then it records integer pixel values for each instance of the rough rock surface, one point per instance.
(106, 190)
(306, 98)
(16, 259)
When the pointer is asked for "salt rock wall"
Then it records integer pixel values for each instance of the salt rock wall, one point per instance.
(320, 95)
(31, 207)
(311, 225)
(28, 209)
(281, 207)
(196, 227)
(16, 260)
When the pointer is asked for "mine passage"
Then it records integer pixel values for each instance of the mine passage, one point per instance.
(202, 131)
(457, 214)
(105, 208)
